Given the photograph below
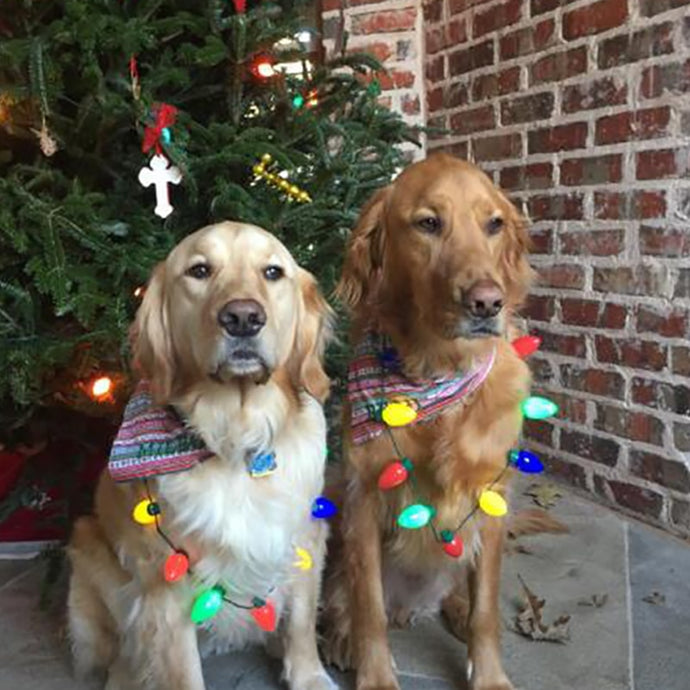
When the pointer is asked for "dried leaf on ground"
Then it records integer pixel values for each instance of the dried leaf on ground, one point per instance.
(544, 495)
(596, 600)
(529, 621)
(656, 598)
(534, 521)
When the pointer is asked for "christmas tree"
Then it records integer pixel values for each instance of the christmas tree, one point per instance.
(233, 95)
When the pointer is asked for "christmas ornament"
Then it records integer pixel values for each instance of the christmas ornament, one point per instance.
(525, 461)
(262, 465)
(176, 566)
(45, 140)
(160, 175)
(262, 67)
(240, 6)
(264, 614)
(207, 604)
(146, 511)
(452, 543)
(323, 509)
(164, 116)
(536, 407)
(526, 345)
(101, 388)
(492, 503)
(304, 559)
(275, 180)
(415, 516)
(134, 78)
(395, 474)
(399, 412)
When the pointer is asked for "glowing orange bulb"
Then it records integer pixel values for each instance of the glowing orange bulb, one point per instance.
(139, 291)
(265, 69)
(101, 387)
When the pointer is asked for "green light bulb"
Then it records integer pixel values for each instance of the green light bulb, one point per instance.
(536, 407)
(298, 100)
(415, 516)
(207, 604)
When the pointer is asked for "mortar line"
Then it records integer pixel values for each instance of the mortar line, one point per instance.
(629, 611)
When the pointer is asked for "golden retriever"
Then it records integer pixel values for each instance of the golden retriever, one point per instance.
(230, 334)
(437, 264)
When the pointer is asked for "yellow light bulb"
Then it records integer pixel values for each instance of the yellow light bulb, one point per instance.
(101, 387)
(492, 503)
(398, 413)
(145, 512)
(304, 559)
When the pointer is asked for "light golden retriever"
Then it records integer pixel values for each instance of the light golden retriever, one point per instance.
(231, 334)
(437, 262)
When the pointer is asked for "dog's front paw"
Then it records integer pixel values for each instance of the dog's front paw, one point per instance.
(383, 681)
(317, 681)
(501, 683)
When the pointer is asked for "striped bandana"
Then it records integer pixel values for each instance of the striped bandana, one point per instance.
(374, 379)
(153, 440)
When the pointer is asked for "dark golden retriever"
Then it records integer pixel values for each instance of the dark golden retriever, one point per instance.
(436, 266)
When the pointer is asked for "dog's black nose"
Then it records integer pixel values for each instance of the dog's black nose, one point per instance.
(484, 299)
(242, 317)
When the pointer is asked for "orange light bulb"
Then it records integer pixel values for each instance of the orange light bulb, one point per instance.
(101, 387)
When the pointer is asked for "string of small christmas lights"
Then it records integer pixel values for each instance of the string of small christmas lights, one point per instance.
(400, 412)
(275, 180)
(210, 601)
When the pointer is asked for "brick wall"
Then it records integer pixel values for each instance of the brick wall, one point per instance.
(391, 30)
(580, 109)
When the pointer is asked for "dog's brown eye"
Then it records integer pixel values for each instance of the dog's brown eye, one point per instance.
(199, 271)
(273, 272)
(431, 225)
(494, 225)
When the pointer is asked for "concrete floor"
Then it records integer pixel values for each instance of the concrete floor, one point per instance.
(637, 640)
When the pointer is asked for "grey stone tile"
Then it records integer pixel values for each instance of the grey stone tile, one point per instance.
(11, 569)
(659, 563)
(564, 569)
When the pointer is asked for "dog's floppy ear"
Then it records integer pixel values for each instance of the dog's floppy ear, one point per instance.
(314, 330)
(517, 272)
(150, 337)
(364, 252)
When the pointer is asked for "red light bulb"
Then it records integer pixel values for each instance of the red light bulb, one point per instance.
(264, 614)
(526, 345)
(176, 566)
(452, 544)
(394, 474)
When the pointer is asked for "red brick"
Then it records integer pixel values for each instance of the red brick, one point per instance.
(542, 241)
(594, 18)
(631, 205)
(593, 313)
(457, 31)
(435, 69)
(569, 276)
(564, 470)
(396, 79)
(458, 149)
(591, 447)
(674, 78)
(593, 242)
(680, 358)
(630, 280)
(497, 17)
(384, 21)
(633, 125)
(456, 95)
(539, 308)
(541, 432)
(669, 322)
(661, 395)
(660, 470)
(380, 50)
(610, 384)
(630, 352)
(434, 99)
(593, 170)
(488, 86)
(541, 6)
(646, 43)
(528, 41)
(542, 370)
(432, 10)
(526, 177)
(474, 120)
(634, 426)
(571, 408)
(457, 6)
(527, 108)
(633, 497)
(656, 165)
(562, 344)
(599, 93)
(497, 147)
(410, 104)
(559, 66)
(556, 207)
(559, 138)
(469, 59)
(649, 8)
(446, 35)
(669, 242)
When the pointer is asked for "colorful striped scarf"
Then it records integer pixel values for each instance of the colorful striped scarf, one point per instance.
(374, 379)
(153, 440)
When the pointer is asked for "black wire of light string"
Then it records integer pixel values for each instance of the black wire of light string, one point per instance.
(169, 542)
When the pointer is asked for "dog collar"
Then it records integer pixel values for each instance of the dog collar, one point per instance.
(375, 380)
(154, 440)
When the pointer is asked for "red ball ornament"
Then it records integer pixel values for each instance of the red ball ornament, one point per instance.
(394, 474)
(264, 614)
(452, 544)
(240, 6)
(526, 345)
(176, 566)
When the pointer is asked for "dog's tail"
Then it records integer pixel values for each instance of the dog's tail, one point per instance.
(534, 521)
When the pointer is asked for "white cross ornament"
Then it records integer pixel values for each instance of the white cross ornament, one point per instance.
(160, 175)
